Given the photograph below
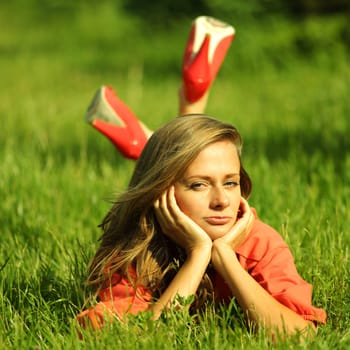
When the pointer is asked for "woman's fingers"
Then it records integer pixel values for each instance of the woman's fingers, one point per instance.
(245, 208)
(241, 228)
(247, 215)
(177, 225)
(165, 209)
(162, 212)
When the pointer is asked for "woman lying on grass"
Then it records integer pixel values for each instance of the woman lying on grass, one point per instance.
(184, 228)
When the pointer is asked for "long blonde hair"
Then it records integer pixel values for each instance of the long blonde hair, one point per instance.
(131, 233)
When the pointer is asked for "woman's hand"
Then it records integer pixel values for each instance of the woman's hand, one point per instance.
(177, 225)
(188, 235)
(261, 308)
(240, 230)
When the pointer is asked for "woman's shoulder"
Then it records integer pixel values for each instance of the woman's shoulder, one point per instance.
(262, 239)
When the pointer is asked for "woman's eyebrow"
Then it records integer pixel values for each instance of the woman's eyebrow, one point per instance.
(207, 177)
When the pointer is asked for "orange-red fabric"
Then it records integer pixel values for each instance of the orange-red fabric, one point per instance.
(268, 259)
(117, 300)
(265, 256)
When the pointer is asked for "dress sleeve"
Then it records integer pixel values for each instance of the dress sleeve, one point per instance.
(115, 301)
(268, 259)
(277, 273)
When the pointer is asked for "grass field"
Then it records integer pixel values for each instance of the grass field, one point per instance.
(285, 85)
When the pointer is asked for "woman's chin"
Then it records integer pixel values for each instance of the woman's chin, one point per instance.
(217, 232)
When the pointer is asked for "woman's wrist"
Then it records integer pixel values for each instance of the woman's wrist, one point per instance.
(202, 252)
(220, 252)
(221, 245)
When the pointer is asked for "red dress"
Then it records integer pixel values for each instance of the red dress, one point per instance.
(265, 256)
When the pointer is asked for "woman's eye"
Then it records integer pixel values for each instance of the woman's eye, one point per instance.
(197, 186)
(231, 183)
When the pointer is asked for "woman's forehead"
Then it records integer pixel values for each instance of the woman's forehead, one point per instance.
(219, 156)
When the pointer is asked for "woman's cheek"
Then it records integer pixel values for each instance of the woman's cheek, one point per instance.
(180, 199)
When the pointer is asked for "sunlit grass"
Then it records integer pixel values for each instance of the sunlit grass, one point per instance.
(290, 102)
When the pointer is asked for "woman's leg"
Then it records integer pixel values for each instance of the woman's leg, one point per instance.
(205, 51)
(186, 107)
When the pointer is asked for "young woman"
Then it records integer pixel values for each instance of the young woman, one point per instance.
(186, 210)
(184, 228)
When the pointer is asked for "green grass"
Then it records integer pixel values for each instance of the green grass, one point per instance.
(285, 85)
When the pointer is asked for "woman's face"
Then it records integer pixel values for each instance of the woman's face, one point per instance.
(209, 192)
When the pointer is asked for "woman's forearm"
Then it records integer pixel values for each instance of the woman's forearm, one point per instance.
(259, 306)
(187, 279)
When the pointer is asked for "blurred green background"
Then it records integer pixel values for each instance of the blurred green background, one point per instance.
(285, 84)
(58, 52)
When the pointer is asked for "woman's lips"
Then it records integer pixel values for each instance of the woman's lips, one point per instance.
(218, 220)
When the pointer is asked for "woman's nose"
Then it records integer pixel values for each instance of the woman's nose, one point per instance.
(219, 199)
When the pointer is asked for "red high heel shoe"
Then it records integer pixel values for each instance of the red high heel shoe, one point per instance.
(205, 51)
(109, 115)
